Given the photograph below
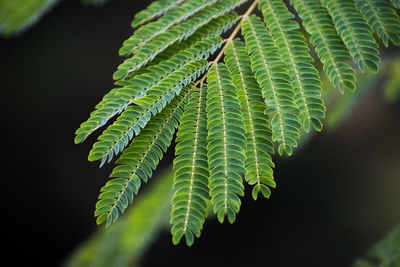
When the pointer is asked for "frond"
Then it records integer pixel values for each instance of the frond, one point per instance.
(396, 3)
(226, 143)
(139, 160)
(257, 92)
(355, 33)
(118, 99)
(296, 54)
(258, 133)
(18, 15)
(328, 45)
(385, 253)
(214, 28)
(175, 34)
(155, 9)
(382, 18)
(271, 75)
(177, 14)
(116, 137)
(189, 207)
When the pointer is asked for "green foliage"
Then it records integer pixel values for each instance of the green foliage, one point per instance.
(147, 32)
(135, 117)
(226, 143)
(392, 85)
(18, 15)
(189, 207)
(328, 45)
(386, 253)
(124, 243)
(258, 133)
(241, 100)
(274, 81)
(94, 2)
(382, 18)
(355, 33)
(138, 161)
(159, 42)
(155, 9)
(395, 3)
(295, 54)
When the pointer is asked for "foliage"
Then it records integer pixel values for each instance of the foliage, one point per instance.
(104, 248)
(232, 110)
(94, 2)
(18, 15)
(386, 253)
(392, 84)
(123, 244)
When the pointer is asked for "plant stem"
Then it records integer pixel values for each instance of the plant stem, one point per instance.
(231, 37)
(235, 31)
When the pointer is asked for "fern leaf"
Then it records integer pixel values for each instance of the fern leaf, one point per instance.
(175, 34)
(296, 54)
(382, 18)
(189, 207)
(328, 45)
(116, 137)
(147, 32)
(226, 143)
(118, 99)
(355, 33)
(138, 161)
(258, 134)
(155, 9)
(277, 91)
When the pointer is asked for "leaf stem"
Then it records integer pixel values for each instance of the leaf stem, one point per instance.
(231, 37)
(235, 31)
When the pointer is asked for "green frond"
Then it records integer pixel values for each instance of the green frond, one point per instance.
(265, 92)
(328, 45)
(116, 137)
(258, 133)
(385, 253)
(139, 160)
(189, 207)
(295, 53)
(396, 3)
(215, 28)
(18, 15)
(118, 99)
(226, 143)
(177, 14)
(175, 34)
(355, 33)
(155, 9)
(271, 74)
(382, 18)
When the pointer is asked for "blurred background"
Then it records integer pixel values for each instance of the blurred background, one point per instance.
(339, 194)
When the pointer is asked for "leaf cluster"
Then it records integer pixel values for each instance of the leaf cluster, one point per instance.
(231, 102)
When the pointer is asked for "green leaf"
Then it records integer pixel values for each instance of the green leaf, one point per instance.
(226, 142)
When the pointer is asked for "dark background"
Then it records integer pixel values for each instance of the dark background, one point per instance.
(335, 197)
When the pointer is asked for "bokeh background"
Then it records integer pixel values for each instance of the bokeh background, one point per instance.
(335, 197)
